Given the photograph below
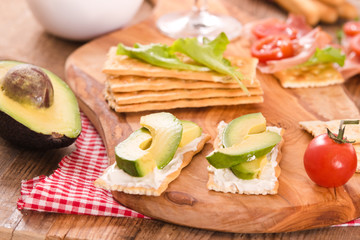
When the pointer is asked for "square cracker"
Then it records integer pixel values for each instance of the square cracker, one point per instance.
(213, 184)
(316, 128)
(122, 65)
(178, 94)
(151, 191)
(352, 132)
(318, 75)
(181, 103)
(129, 83)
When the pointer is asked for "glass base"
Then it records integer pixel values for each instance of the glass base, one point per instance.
(198, 24)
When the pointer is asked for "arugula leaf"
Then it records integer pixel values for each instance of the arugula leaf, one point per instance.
(158, 55)
(210, 54)
(326, 55)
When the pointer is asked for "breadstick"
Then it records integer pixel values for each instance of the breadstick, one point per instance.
(333, 2)
(347, 11)
(328, 13)
(304, 7)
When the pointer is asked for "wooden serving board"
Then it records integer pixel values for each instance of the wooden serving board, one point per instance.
(300, 204)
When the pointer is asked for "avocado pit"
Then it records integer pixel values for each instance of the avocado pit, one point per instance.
(28, 84)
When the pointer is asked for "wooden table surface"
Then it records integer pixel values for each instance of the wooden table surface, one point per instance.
(24, 39)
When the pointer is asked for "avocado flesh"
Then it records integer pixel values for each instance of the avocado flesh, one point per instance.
(131, 154)
(238, 128)
(253, 145)
(166, 131)
(250, 169)
(190, 132)
(56, 126)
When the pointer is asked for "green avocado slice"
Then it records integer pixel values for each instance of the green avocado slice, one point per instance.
(28, 126)
(166, 131)
(249, 169)
(190, 131)
(253, 145)
(238, 128)
(131, 154)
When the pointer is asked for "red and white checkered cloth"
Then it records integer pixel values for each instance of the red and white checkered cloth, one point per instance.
(70, 188)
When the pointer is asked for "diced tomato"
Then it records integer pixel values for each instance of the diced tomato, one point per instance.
(351, 28)
(355, 44)
(274, 28)
(272, 48)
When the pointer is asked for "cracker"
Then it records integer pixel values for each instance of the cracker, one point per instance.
(123, 65)
(137, 83)
(352, 132)
(178, 94)
(318, 75)
(272, 168)
(151, 191)
(317, 128)
(182, 103)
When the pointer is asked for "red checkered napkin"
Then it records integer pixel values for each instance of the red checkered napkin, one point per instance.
(70, 188)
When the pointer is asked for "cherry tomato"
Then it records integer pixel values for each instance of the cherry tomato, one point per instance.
(351, 28)
(328, 163)
(272, 48)
(274, 28)
(355, 44)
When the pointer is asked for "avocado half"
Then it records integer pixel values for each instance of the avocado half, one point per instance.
(29, 126)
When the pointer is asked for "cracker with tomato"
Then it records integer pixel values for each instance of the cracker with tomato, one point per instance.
(296, 54)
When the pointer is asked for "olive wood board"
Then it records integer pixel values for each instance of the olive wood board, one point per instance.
(300, 204)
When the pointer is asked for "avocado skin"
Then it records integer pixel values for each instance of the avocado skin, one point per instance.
(11, 129)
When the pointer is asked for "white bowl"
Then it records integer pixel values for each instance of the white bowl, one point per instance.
(83, 19)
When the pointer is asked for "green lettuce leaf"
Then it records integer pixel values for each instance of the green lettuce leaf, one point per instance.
(326, 55)
(158, 55)
(210, 54)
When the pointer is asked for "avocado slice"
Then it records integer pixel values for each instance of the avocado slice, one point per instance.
(166, 131)
(238, 128)
(190, 132)
(253, 145)
(53, 122)
(131, 154)
(250, 169)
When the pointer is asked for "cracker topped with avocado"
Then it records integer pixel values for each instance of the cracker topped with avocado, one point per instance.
(246, 157)
(154, 155)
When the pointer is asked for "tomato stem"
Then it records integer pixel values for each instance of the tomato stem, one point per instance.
(339, 138)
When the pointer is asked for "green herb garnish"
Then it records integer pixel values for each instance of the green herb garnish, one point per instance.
(326, 55)
(158, 55)
(209, 56)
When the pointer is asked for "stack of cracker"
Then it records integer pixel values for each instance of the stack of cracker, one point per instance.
(133, 85)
